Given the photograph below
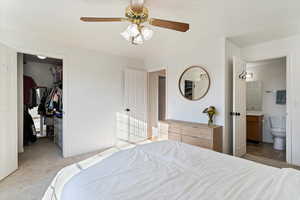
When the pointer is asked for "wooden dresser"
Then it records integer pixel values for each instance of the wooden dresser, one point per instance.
(202, 135)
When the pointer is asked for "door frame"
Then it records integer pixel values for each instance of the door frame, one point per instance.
(166, 103)
(65, 87)
(289, 100)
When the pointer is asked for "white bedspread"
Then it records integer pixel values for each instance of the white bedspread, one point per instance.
(170, 170)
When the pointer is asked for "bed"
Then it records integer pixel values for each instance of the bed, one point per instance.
(172, 170)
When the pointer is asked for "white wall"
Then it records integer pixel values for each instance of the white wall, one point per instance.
(273, 77)
(286, 47)
(208, 52)
(94, 97)
(40, 72)
(93, 90)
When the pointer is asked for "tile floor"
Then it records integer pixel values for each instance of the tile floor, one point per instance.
(266, 150)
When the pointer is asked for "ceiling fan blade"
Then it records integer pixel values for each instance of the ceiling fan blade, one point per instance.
(98, 19)
(137, 5)
(177, 26)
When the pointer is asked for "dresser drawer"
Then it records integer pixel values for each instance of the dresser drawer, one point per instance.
(174, 129)
(197, 132)
(205, 143)
(163, 132)
(163, 129)
(163, 126)
(192, 133)
(174, 136)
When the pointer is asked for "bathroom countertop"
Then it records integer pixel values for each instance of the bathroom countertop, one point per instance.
(254, 113)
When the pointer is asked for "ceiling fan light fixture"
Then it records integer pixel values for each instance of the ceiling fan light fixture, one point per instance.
(137, 34)
(131, 33)
(138, 40)
(133, 30)
(126, 35)
(147, 33)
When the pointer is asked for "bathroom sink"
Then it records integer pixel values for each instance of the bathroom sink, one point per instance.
(254, 113)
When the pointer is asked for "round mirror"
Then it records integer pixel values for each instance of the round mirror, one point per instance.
(194, 83)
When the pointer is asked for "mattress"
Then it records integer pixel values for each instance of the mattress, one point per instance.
(171, 170)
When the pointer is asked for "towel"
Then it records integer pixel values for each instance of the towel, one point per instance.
(281, 97)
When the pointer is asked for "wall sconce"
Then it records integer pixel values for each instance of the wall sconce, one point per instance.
(249, 75)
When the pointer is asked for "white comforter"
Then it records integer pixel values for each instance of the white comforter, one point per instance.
(170, 170)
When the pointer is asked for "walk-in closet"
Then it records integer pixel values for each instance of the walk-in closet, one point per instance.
(41, 101)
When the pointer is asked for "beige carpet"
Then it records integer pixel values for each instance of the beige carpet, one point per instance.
(37, 166)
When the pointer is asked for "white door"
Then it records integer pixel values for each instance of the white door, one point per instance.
(135, 105)
(239, 107)
(8, 112)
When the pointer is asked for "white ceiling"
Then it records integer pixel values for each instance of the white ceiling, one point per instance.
(245, 22)
(266, 62)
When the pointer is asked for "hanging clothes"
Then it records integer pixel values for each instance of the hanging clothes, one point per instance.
(33, 95)
(54, 102)
(29, 92)
(42, 104)
(29, 132)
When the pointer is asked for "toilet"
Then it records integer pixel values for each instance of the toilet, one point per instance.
(278, 131)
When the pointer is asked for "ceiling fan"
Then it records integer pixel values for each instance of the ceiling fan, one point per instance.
(138, 15)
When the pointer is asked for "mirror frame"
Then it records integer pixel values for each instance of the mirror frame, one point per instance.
(181, 76)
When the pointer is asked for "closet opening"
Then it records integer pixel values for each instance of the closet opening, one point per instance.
(40, 105)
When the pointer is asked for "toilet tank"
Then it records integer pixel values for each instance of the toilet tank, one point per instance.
(277, 122)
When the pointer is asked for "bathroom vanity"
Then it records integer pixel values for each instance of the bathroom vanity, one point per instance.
(254, 126)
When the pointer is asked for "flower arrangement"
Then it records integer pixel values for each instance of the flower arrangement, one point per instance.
(211, 112)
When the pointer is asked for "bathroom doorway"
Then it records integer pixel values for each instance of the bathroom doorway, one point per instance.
(266, 103)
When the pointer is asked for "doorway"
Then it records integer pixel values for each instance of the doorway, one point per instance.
(157, 106)
(260, 119)
(144, 105)
(266, 92)
(161, 98)
(40, 102)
